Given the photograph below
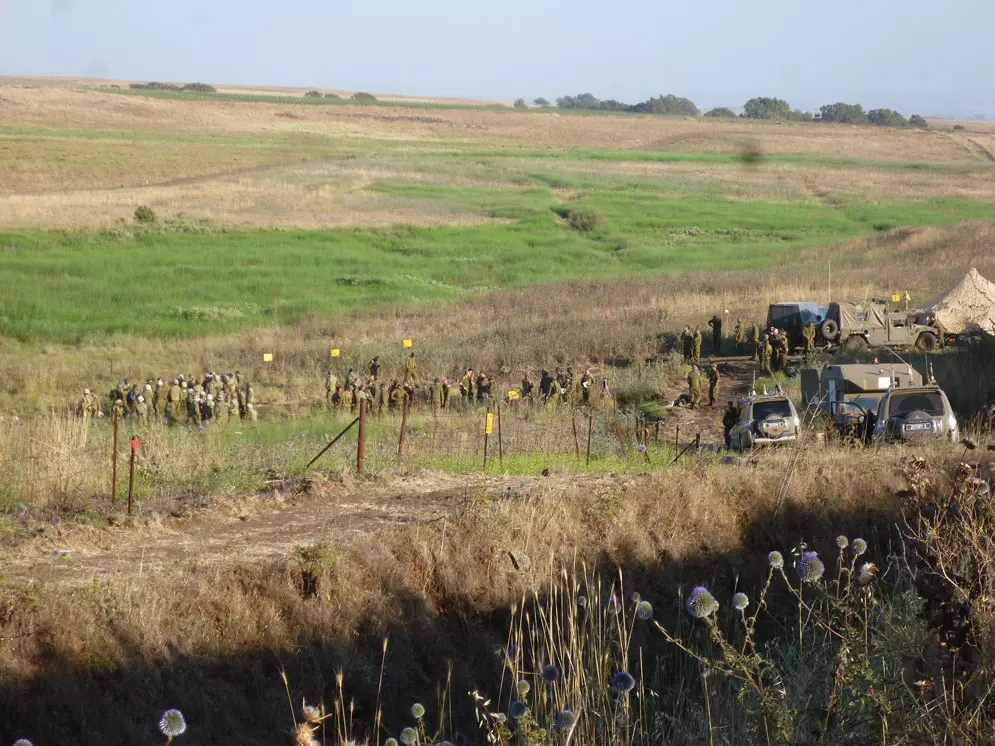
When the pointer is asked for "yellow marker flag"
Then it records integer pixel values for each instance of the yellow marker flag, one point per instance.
(512, 395)
(895, 297)
(408, 343)
(489, 427)
(334, 352)
(267, 357)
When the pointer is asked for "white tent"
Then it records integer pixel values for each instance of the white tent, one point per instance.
(969, 307)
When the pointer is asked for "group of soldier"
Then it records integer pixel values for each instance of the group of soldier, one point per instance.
(193, 400)
(473, 388)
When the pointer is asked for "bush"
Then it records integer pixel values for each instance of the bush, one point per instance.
(145, 215)
(541, 102)
(332, 95)
(843, 113)
(583, 219)
(886, 118)
(762, 107)
(669, 104)
(918, 122)
(199, 88)
(313, 94)
(520, 103)
(364, 98)
(797, 115)
(959, 128)
(720, 112)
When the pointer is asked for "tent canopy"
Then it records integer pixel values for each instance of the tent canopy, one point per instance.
(968, 307)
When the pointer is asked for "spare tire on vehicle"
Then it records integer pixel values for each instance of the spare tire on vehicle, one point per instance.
(830, 329)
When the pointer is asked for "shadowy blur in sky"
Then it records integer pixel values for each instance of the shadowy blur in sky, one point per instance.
(917, 56)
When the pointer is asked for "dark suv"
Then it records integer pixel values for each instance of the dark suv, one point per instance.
(793, 317)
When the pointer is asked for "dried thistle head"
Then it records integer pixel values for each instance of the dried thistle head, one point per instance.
(304, 736)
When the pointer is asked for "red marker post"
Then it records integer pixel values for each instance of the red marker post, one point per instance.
(131, 476)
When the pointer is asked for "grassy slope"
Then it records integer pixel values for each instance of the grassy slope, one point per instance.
(169, 283)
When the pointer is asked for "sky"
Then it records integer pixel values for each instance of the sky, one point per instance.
(931, 57)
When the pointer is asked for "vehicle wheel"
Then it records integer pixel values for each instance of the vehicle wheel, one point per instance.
(855, 344)
(830, 329)
(927, 342)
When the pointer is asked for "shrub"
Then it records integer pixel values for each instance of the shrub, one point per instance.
(763, 107)
(886, 118)
(959, 128)
(843, 113)
(917, 121)
(313, 94)
(145, 215)
(332, 95)
(669, 104)
(797, 115)
(364, 98)
(199, 88)
(520, 103)
(583, 219)
(720, 112)
(541, 102)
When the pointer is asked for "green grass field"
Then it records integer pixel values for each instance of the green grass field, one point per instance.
(176, 282)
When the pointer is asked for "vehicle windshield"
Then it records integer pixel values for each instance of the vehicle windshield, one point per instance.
(929, 402)
(781, 315)
(865, 403)
(776, 408)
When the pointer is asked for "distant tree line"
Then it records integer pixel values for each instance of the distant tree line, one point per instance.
(760, 107)
(188, 88)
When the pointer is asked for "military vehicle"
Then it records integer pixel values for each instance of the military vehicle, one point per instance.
(915, 414)
(857, 326)
(763, 419)
(793, 317)
(850, 394)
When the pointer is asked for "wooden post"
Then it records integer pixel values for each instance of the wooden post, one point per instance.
(590, 428)
(573, 422)
(656, 432)
(646, 435)
(500, 443)
(114, 462)
(677, 437)
(131, 476)
(361, 442)
(697, 442)
(404, 427)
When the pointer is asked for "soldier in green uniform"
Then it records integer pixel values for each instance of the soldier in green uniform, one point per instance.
(586, 384)
(716, 323)
(221, 409)
(466, 386)
(687, 341)
(398, 396)
(331, 386)
(713, 383)
(142, 410)
(694, 386)
(809, 334)
(740, 336)
(696, 346)
(374, 367)
(159, 400)
(411, 370)
(555, 395)
(764, 352)
(755, 341)
(382, 397)
(438, 396)
(527, 388)
(346, 398)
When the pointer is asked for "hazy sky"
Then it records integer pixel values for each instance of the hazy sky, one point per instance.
(917, 56)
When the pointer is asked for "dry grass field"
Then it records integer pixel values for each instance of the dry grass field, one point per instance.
(448, 222)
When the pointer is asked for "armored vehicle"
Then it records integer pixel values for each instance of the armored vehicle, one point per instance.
(763, 419)
(793, 317)
(857, 326)
(850, 394)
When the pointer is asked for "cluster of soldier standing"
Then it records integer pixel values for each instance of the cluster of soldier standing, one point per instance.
(473, 388)
(193, 400)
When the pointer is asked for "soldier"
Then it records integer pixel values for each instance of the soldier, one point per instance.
(207, 409)
(452, 392)
(221, 408)
(586, 384)
(764, 353)
(729, 419)
(250, 412)
(716, 323)
(755, 341)
(779, 343)
(545, 385)
(555, 395)
(411, 370)
(527, 387)
(374, 367)
(809, 334)
(159, 399)
(466, 386)
(713, 383)
(485, 389)
(347, 397)
(331, 386)
(696, 349)
(382, 398)
(694, 386)
(337, 397)
(398, 395)
(687, 341)
(438, 397)
(141, 410)
(740, 336)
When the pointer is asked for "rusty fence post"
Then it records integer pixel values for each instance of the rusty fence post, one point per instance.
(573, 423)
(114, 462)
(500, 443)
(131, 476)
(404, 427)
(361, 441)
(590, 428)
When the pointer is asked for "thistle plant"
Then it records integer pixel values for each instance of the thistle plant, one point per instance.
(172, 724)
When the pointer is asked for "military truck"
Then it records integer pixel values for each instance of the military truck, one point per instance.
(915, 414)
(795, 316)
(857, 326)
(850, 394)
